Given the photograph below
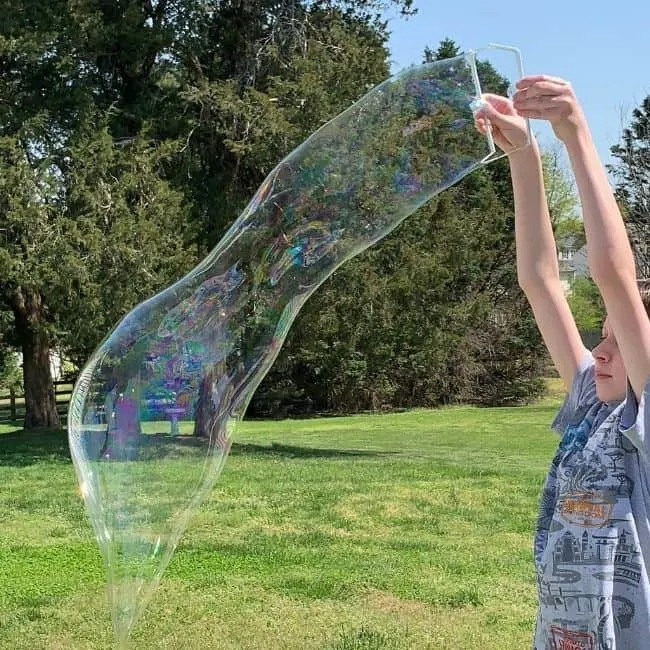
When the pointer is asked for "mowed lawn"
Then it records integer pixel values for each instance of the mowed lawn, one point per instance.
(401, 531)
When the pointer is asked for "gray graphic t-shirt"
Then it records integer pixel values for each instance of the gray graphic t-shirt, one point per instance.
(593, 535)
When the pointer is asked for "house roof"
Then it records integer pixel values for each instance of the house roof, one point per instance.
(578, 263)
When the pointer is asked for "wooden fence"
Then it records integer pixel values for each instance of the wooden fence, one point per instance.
(12, 403)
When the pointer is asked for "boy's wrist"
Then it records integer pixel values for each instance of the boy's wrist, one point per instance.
(529, 152)
(578, 137)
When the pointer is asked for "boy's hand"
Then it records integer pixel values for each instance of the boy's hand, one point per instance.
(550, 98)
(509, 130)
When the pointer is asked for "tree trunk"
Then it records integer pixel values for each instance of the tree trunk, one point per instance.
(214, 403)
(205, 410)
(40, 400)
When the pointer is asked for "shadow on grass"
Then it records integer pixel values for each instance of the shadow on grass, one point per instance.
(294, 451)
(22, 449)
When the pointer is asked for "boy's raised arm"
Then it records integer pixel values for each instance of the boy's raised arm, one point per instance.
(611, 260)
(537, 266)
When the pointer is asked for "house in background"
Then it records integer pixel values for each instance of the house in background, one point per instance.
(572, 259)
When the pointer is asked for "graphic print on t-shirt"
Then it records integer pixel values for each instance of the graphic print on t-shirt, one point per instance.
(590, 563)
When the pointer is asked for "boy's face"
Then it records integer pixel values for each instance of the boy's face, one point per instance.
(611, 377)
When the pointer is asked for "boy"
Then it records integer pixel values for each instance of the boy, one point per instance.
(592, 544)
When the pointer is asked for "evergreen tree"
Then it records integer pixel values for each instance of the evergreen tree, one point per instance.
(131, 130)
(430, 315)
(631, 172)
(132, 135)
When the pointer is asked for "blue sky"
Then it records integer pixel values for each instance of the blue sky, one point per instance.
(601, 46)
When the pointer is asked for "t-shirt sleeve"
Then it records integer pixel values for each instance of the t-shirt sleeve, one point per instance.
(635, 420)
(581, 397)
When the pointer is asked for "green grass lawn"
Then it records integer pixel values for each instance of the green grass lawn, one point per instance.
(402, 531)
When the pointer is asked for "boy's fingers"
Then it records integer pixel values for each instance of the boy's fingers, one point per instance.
(549, 92)
(541, 88)
(538, 101)
(496, 100)
(481, 126)
(491, 113)
(537, 114)
(501, 104)
(550, 86)
(525, 82)
(541, 102)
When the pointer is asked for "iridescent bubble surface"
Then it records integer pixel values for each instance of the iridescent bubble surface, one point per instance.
(152, 416)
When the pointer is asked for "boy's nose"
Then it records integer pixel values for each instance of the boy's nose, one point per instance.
(600, 353)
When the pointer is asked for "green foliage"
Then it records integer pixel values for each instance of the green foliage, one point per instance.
(129, 143)
(562, 199)
(260, 82)
(419, 319)
(631, 172)
(132, 226)
(586, 304)
(106, 233)
(571, 231)
(561, 196)
(10, 373)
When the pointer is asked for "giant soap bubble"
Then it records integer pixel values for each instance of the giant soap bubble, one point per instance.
(152, 414)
